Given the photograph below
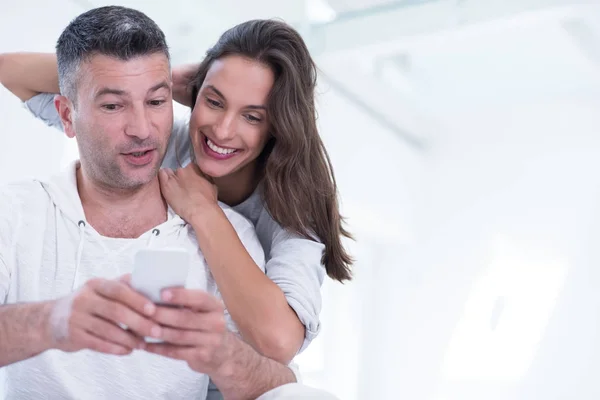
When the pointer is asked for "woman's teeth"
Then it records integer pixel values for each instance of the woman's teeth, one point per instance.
(218, 149)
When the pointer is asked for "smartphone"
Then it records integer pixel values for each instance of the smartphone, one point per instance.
(157, 269)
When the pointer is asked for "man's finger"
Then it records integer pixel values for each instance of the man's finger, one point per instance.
(108, 331)
(185, 318)
(124, 294)
(118, 313)
(197, 300)
(182, 337)
(169, 350)
(126, 279)
(92, 342)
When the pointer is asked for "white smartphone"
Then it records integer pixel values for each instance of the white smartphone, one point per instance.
(157, 269)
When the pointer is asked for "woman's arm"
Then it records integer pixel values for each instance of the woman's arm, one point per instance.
(256, 304)
(294, 264)
(182, 76)
(28, 74)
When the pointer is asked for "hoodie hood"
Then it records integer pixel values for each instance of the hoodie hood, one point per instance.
(64, 195)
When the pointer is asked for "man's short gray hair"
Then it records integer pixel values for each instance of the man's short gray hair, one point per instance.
(114, 31)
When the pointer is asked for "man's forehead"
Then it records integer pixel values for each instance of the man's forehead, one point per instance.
(137, 74)
(101, 66)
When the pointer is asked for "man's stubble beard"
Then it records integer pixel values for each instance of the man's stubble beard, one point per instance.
(105, 170)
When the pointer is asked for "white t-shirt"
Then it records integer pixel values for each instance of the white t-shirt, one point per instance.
(48, 249)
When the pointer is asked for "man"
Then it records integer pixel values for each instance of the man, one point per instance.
(65, 243)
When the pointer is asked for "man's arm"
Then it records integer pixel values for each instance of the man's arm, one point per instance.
(28, 74)
(89, 318)
(247, 374)
(22, 326)
(196, 333)
(23, 331)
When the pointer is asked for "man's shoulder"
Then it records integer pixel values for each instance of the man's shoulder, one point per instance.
(22, 187)
(21, 202)
(21, 194)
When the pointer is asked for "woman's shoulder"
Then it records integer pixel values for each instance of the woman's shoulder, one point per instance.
(179, 147)
(253, 207)
(239, 221)
(270, 232)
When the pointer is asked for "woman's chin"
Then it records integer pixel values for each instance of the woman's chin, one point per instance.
(211, 171)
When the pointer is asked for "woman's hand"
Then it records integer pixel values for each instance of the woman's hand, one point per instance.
(188, 191)
(182, 76)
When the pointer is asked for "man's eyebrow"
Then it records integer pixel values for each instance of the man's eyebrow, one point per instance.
(158, 86)
(107, 90)
(119, 92)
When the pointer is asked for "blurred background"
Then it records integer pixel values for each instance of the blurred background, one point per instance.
(465, 139)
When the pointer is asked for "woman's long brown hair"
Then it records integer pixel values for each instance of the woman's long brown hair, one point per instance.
(299, 187)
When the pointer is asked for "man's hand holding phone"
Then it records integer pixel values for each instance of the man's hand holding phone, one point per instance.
(194, 331)
(192, 321)
(91, 318)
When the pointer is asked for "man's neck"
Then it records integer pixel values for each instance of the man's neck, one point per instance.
(121, 213)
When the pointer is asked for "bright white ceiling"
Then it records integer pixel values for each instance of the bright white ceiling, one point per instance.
(412, 63)
(401, 62)
(401, 72)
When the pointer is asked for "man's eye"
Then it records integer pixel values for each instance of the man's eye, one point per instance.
(110, 107)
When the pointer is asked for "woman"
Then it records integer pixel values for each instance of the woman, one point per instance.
(256, 148)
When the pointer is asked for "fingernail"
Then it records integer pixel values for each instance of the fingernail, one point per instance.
(167, 295)
(149, 308)
(155, 332)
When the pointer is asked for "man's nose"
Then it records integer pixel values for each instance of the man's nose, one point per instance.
(139, 124)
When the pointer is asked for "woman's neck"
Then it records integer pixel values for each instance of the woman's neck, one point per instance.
(237, 187)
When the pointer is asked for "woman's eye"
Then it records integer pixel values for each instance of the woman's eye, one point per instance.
(213, 103)
(252, 118)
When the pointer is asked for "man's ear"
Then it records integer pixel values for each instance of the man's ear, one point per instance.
(65, 109)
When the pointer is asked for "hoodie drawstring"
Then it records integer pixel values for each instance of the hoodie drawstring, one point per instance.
(79, 252)
(82, 225)
(155, 233)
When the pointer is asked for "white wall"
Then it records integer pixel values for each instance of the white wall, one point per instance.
(481, 280)
(379, 180)
(497, 298)
(28, 147)
(476, 272)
